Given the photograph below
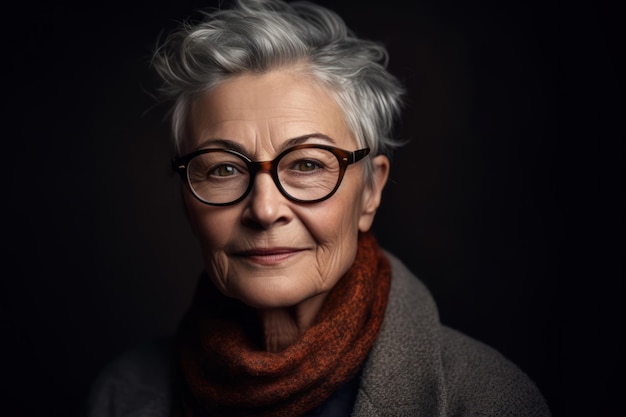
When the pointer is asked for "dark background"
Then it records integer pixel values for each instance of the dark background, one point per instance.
(507, 202)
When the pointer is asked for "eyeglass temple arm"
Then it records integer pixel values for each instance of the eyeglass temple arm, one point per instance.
(358, 155)
(179, 166)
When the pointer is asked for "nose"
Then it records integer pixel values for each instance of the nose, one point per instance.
(265, 205)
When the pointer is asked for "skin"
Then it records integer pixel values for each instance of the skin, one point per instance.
(280, 257)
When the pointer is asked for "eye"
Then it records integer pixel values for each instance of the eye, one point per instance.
(306, 165)
(224, 171)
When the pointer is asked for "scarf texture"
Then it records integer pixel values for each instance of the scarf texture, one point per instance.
(222, 370)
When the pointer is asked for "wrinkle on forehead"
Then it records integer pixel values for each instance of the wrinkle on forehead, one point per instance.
(263, 111)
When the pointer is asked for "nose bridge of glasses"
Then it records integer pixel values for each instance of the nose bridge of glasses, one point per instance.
(267, 167)
(263, 166)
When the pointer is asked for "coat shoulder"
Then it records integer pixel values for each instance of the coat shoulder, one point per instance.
(481, 381)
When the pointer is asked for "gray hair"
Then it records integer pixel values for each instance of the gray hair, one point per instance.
(261, 35)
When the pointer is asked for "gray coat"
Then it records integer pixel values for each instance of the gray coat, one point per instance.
(417, 367)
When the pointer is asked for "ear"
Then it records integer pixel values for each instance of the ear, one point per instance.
(373, 192)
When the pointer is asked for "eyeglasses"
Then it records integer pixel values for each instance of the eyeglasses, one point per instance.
(307, 173)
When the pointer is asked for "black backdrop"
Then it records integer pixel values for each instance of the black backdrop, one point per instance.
(506, 201)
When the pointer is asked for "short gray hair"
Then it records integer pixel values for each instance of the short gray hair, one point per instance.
(261, 35)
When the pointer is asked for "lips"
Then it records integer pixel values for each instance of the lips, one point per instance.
(268, 256)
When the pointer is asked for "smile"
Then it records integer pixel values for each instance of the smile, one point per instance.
(269, 256)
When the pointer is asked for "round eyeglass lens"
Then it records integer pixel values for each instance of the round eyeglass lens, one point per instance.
(218, 177)
(309, 174)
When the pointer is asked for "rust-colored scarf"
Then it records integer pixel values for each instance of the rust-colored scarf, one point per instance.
(224, 372)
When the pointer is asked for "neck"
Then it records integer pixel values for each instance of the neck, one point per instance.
(282, 327)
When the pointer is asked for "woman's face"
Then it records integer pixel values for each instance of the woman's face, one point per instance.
(265, 250)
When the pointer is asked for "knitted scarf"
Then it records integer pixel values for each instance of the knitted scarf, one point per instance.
(223, 371)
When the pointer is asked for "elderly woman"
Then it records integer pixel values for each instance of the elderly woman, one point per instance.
(282, 122)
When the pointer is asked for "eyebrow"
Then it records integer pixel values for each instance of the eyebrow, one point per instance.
(236, 146)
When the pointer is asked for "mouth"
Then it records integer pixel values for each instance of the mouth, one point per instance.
(268, 256)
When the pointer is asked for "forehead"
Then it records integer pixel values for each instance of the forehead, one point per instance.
(263, 111)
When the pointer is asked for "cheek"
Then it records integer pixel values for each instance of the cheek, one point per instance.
(332, 222)
(211, 227)
(334, 225)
